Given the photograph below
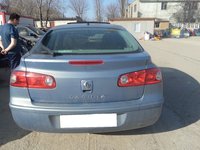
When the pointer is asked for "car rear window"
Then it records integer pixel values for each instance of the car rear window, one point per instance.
(90, 40)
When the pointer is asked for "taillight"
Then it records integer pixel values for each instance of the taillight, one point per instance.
(85, 62)
(142, 77)
(32, 80)
(153, 76)
(18, 79)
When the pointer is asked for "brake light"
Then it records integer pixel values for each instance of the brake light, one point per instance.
(142, 77)
(85, 62)
(32, 80)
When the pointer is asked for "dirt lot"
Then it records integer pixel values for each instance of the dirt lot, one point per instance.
(177, 129)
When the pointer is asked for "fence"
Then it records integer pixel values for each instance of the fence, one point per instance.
(187, 25)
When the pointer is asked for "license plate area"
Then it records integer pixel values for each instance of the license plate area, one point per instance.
(88, 121)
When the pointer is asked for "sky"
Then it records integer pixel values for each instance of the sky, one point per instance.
(91, 12)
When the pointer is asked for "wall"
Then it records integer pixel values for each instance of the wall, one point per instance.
(187, 25)
(55, 23)
(1, 19)
(131, 13)
(130, 26)
(154, 10)
(58, 23)
(23, 20)
(37, 24)
(26, 21)
(163, 26)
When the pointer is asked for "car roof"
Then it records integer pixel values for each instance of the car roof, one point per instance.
(89, 25)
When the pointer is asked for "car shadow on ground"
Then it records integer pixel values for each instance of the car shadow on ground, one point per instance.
(9, 131)
(181, 107)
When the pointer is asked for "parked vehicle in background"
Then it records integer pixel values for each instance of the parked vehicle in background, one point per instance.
(191, 31)
(30, 33)
(197, 32)
(166, 33)
(184, 33)
(175, 32)
(180, 33)
(86, 77)
(44, 29)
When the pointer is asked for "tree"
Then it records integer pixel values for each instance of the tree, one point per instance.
(39, 4)
(6, 4)
(197, 15)
(48, 7)
(79, 7)
(112, 11)
(187, 12)
(99, 10)
(44, 10)
(122, 6)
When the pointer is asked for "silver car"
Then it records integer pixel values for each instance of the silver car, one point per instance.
(86, 77)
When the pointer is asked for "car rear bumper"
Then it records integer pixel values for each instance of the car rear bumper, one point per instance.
(130, 115)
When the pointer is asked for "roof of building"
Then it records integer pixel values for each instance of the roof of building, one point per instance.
(60, 19)
(139, 19)
(132, 19)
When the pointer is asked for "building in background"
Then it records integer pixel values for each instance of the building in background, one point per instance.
(163, 9)
(138, 26)
(24, 20)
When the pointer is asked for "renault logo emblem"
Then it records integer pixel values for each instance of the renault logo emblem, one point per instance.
(86, 85)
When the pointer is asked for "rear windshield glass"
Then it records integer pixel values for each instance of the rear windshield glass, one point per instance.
(87, 40)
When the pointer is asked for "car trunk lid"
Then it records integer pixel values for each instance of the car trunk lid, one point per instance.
(86, 78)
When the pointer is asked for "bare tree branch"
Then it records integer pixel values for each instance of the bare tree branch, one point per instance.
(122, 6)
(6, 3)
(79, 7)
(112, 11)
(189, 9)
(39, 4)
(99, 10)
(38, 9)
(48, 5)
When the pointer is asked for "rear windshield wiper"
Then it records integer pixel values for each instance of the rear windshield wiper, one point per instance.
(57, 54)
(54, 54)
(46, 50)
